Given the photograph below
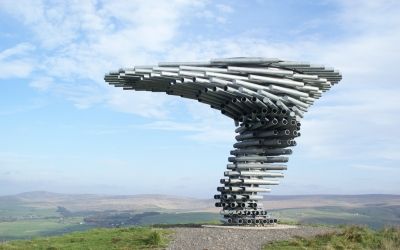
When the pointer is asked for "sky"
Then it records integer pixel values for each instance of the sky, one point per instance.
(63, 129)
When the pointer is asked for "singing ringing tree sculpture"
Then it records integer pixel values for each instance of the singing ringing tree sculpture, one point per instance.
(266, 97)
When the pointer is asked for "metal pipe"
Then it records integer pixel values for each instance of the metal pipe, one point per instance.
(256, 189)
(267, 71)
(287, 91)
(260, 173)
(260, 182)
(280, 81)
(257, 166)
(198, 68)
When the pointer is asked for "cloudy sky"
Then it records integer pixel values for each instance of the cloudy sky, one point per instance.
(63, 129)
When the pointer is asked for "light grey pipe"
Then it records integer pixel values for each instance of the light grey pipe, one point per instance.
(260, 182)
(267, 71)
(280, 81)
(259, 158)
(264, 166)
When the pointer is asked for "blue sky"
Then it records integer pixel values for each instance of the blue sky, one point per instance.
(63, 129)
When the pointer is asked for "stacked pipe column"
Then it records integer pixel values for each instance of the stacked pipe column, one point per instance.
(257, 161)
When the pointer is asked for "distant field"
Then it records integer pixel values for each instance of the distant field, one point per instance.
(18, 210)
(24, 229)
(375, 216)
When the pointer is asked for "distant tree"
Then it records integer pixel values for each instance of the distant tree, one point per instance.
(63, 211)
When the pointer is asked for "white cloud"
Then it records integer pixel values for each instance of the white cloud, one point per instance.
(79, 42)
(173, 126)
(224, 8)
(17, 50)
(42, 83)
(14, 64)
(216, 13)
(204, 132)
(143, 103)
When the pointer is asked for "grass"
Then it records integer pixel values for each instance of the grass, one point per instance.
(351, 237)
(117, 238)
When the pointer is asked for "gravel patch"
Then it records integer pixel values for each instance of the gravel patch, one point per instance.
(208, 238)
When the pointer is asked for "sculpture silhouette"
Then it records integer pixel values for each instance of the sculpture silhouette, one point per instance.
(266, 97)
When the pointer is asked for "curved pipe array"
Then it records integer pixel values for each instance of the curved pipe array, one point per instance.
(266, 97)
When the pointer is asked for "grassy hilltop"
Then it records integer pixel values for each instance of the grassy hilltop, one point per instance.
(351, 237)
(99, 239)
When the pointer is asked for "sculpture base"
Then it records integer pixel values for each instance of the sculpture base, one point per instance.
(250, 227)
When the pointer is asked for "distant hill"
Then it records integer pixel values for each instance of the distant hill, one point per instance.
(91, 202)
(154, 202)
(308, 201)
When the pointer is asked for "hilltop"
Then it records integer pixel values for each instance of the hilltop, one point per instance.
(33, 214)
